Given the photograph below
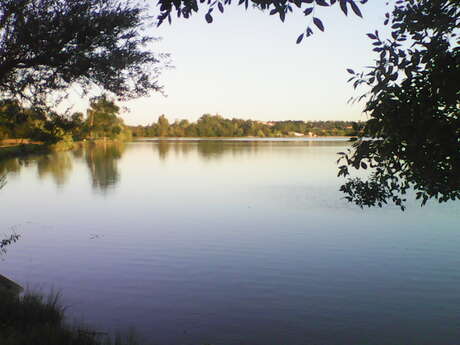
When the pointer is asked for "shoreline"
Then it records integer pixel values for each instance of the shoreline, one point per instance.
(302, 138)
(23, 149)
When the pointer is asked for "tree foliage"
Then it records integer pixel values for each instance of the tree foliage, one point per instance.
(412, 139)
(218, 126)
(48, 46)
(282, 8)
(102, 119)
(32, 123)
(49, 127)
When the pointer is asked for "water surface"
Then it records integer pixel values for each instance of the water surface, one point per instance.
(230, 242)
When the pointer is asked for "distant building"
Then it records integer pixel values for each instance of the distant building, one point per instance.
(267, 123)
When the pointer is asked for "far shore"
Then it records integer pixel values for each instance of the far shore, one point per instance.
(242, 138)
(12, 148)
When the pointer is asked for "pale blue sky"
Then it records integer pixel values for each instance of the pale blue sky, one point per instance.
(246, 64)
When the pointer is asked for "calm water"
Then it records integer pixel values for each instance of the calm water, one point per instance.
(230, 242)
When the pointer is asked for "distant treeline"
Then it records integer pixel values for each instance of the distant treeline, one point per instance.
(218, 126)
(102, 122)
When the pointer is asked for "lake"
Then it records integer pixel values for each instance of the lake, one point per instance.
(229, 242)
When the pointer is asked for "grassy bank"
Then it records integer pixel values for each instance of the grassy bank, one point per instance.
(31, 319)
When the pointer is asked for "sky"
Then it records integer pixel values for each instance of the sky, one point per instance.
(246, 64)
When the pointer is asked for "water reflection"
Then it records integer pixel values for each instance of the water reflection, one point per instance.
(58, 165)
(9, 166)
(205, 149)
(163, 148)
(78, 152)
(211, 149)
(231, 242)
(102, 161)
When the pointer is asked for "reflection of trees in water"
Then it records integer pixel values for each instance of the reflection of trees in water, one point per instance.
(214, 149)
(12, 165)
(182, 149)
(56, 164)
(208, 149)
(78, 152)
(163, 148)
(217, 149)
(101, 159)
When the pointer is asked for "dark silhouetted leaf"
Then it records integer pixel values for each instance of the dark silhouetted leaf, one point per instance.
(355, 8)
(299, 39)
(343, 6)
(318, 23)
(322, 3)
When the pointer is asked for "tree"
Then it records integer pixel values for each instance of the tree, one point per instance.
(163, 126)
(102, 120)
(218, 126)
(11, 116)
(79, 126)
(185, 8)
(412, 139)
(48, 46)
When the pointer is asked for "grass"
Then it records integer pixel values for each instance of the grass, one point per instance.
(31, 319)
